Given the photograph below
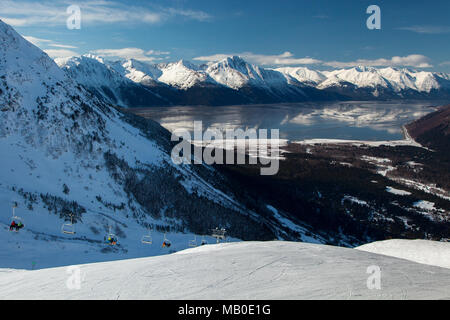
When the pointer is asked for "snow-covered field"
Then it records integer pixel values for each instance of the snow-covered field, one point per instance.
(247, 270)
(421, 251)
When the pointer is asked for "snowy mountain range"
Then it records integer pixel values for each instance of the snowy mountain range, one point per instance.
(68, 154)
(235, 81)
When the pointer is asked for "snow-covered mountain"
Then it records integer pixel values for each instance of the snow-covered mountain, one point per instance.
(233, 80)
(66, 152)
(230, 81)
(236, 73)
(303, 75)
(252, 270)
(107, 83)
(369, 82)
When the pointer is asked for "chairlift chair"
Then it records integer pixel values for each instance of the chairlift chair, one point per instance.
(147, 239)
(111, 239)
(15, 219)
(193, 243)
(68, 228)
(219, 234)
(166, 242)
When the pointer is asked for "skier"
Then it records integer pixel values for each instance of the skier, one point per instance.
(16, 226)
(19, 226)
(112, 241)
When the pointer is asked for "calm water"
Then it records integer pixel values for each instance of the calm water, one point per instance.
(345, 120)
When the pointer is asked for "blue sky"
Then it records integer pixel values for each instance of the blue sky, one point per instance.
(319, 34)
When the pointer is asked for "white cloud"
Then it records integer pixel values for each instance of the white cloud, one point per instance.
(285, 58)
(28, 13)
(157, 53)
(413, 60)
(190, 14)
(214, 57)
(60, 53)
(288, 59)
(39, 42)
(16, 22)
(127, 53)
(66, 46)
(427, 29)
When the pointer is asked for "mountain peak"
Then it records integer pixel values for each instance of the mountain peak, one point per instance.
(94, 57)
(187, 64)
(364, 69)
(234, 61)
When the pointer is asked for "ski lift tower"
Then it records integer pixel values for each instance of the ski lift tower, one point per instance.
(219, 234)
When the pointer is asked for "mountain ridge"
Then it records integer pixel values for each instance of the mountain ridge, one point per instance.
(235, 81)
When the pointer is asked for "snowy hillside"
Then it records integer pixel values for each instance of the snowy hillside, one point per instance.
(420, 251)
(303, 75)
(272, 270)
(108, 83)
(387, 78)
(182, 75)
(66, 153)
(236, 73)
(236, 81)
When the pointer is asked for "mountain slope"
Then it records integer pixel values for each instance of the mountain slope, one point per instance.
(264, 271)
(235, 81)
(433, 130)
(386, 83)
(65, 151)
(108, 84)
(228, 82)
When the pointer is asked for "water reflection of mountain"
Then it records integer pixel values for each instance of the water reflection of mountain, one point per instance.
(346, 120)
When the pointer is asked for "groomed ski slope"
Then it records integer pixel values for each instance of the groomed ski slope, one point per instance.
(420, 251)
(247, 270)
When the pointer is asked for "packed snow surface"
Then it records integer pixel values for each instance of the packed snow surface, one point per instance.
(248, 270)
(421, 251)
